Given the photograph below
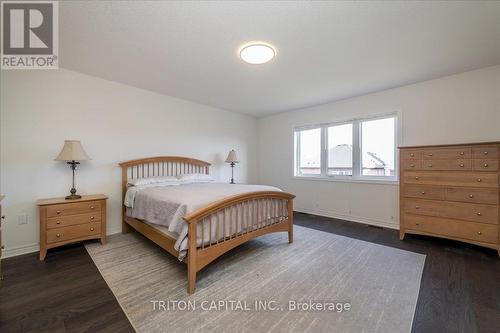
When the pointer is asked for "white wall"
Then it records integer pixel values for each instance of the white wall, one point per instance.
(456, 109)
(115, 122)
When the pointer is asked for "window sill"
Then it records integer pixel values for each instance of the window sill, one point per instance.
(347, 180)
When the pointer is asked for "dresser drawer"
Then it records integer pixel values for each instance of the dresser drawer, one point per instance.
(473, 179)
(473, 195)
(447, 165)
(411, 164)
(73, 232)
(447, 153)
(485, 165)
(426, 192)
(73, 208)
(485, 152)
(481, 232)
(454, 210)
(64, 221)
(411, 154)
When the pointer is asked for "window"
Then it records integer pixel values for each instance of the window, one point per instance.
(309, 143)
(340, 150)
(377, 142)
(357, 149)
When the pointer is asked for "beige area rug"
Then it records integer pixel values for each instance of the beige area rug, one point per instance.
(342, 285)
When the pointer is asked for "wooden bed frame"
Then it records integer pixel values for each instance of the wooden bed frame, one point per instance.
(261, 213)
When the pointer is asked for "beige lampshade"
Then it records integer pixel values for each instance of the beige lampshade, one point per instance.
(232, 157)
(72, 151)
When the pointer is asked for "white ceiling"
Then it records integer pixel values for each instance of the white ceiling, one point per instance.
(325, 50)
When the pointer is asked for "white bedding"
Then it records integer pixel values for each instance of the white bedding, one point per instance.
(167, 205)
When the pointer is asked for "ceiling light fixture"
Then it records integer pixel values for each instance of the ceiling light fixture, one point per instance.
(257, 53)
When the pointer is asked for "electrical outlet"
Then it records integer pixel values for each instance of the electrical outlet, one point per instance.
(22, 218)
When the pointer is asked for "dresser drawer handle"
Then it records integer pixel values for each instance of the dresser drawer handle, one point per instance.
(91, 207)
(91, 229)
(417, 223)
(58, 222)
(416, 178)
(412, 165)
(461, 165)
(479, 180)
(485, 153)
(417, 207)
(479, 214)
(430, 165)
(92, 217)
(461, 153)
(58, 235)
(423, 192)
(471, 196)
(412, 155)
(431, 154)
(58, 212)
(479, 233)
(485, 165)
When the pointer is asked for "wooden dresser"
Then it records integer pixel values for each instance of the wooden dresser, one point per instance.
(67, 221)
(451, 191)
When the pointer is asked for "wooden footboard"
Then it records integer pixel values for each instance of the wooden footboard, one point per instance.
(225, 224)
(217, 228)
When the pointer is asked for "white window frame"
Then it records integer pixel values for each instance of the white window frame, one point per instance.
(357, 175)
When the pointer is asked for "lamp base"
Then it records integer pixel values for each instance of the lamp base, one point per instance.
(73, 197)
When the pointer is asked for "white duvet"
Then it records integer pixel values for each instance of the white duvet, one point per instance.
(167, 205)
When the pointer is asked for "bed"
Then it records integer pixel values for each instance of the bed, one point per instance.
(218, 217)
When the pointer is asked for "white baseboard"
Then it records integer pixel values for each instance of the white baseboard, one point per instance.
(350, 218)
(30, 248)
(19, 250)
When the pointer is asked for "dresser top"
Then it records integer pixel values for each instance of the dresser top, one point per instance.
(55, 201)
(454, 145)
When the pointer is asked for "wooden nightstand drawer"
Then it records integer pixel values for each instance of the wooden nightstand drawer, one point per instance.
(64, 221)
(73, 208)
(73, 232)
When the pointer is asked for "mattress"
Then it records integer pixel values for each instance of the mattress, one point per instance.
(165, 207)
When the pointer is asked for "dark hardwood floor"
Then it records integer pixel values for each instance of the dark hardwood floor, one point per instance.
(460, 290)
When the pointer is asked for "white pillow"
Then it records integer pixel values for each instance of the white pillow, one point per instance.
(195, 178)
(152, 180)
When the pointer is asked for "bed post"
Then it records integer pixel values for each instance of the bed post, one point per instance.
(290, 221)
(125, 227)
(191, 262)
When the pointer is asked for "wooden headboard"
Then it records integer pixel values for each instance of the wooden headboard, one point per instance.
(160, 166)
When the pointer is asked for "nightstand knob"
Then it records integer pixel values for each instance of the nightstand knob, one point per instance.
(479, 180)
(461, 153)
(461, 165)
(412, 154)
(479, 233)
(91, 207)
(485, 165)
(91, 229)
(471, 196)
(92, 217)
(58, 222)
(58, 235)
(412, 165)
(485, 153)
(416, 178)
(423, 192)
(431, 154)
(479, 214)
(58, 212)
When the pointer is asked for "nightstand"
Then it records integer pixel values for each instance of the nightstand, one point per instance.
(68, 221)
